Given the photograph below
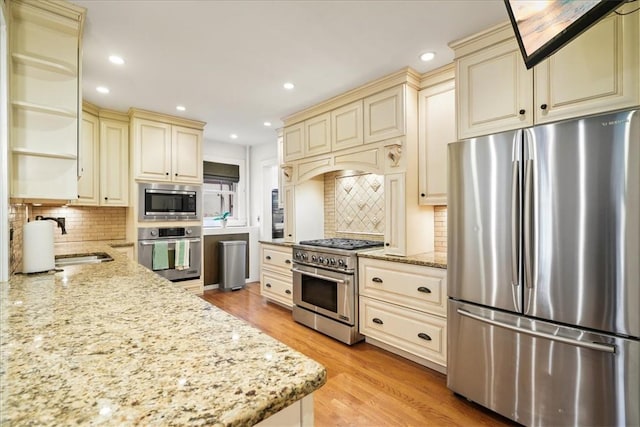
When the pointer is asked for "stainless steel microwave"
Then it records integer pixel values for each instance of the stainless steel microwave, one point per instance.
(169, 202)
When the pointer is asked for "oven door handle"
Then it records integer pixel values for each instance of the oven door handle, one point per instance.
(318, 276)
(152, 242)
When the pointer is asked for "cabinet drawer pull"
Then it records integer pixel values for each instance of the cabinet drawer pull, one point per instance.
(376, 280)
(268, 285)
(424, 336)
(424, 290)
(268, 257)
(287, 261)
(378, 321)
(288, 292)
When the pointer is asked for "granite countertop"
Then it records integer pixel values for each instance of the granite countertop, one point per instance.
(278, 242)
(116, 344)
(427, 259)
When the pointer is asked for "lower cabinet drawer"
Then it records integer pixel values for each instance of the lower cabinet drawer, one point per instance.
(276, 287)
(418, 333)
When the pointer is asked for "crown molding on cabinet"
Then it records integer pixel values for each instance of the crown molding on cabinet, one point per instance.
(180, 121)
(437, 76)
(406, 75)
(489, 37)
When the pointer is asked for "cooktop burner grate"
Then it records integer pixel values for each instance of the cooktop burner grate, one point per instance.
(338, 243)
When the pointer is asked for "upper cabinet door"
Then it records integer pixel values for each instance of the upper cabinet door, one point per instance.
(597, 72)
(347, 126)
(114, 163)
(436, 129)
(294, 142)
(186, 155)
(495, 91)
(88, 163)
(384, 115)
(318, 135)
(153, 150)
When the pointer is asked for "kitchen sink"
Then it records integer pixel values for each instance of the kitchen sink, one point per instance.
(88, 258)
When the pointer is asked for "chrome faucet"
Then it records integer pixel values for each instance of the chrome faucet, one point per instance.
(60, 221)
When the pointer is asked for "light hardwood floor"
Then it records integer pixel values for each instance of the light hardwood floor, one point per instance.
(366, 386)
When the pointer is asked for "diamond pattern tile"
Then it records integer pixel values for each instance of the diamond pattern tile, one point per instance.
(360, 204)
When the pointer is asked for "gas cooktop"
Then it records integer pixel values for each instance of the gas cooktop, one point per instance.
(345, 244)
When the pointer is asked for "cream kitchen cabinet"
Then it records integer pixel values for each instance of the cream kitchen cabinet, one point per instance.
(275, 273)
(436, 129)
(104, 159)
(347, 126)
(598, 71)
(44, 53)
(384, 114)
(304, 210)
(395, 219)
(311, 137)
(289, 202)
(114, 162)
(403, 309)
(164, 150)
(88, 161)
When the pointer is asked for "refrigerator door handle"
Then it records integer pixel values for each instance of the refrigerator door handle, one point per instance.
(515, 222)
(585, 344)
(528, 229)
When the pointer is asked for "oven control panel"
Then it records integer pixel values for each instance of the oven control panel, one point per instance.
(323, 259)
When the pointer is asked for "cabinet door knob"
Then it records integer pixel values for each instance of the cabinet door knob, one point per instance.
(522, 111)
(376, 280)
(289, 235)
(288, 292)
(176, 174)
(424, 336)
(387, 244)
(106, 198)
(166, 173)
(378, 321)
(287, 261)
(424, 290)
(268, 257)
(422, 195)
(268, 285)
(543, 106)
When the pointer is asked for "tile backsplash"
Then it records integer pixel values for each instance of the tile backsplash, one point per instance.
(81, 223)
(354, 208)
(86, 223)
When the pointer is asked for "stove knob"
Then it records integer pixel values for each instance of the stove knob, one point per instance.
(314, 258)
(297, 255)
(326, 261)
(320, 259)
(153, 233)
(188, 231)
(304, 256)
(332, 261)
(341, 263)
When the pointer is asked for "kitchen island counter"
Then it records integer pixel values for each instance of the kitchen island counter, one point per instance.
(116, 344)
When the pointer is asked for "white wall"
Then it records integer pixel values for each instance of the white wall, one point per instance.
(261, 155)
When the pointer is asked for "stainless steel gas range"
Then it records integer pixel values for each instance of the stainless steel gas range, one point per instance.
(325, 286)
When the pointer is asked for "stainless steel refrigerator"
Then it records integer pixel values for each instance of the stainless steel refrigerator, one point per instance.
(544, 272)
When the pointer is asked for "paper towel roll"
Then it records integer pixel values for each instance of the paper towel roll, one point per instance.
(37, 247)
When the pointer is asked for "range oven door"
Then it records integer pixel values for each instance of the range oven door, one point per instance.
(326, 292)
(145, 257)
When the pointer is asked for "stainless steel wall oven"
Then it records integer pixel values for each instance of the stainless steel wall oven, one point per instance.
(165, 239)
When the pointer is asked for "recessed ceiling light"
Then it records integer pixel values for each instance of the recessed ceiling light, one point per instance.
(181, 108)
(116, 60)
(102, 89)
(267, 124)
(427, 56)
(233, 136)
(288, 86)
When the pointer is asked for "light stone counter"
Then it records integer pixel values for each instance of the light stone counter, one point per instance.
(427, 259)
(115, 344)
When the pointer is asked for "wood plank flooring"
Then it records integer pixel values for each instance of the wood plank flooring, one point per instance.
(366, 386)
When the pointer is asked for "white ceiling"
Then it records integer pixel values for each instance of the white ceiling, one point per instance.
(226, 61)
